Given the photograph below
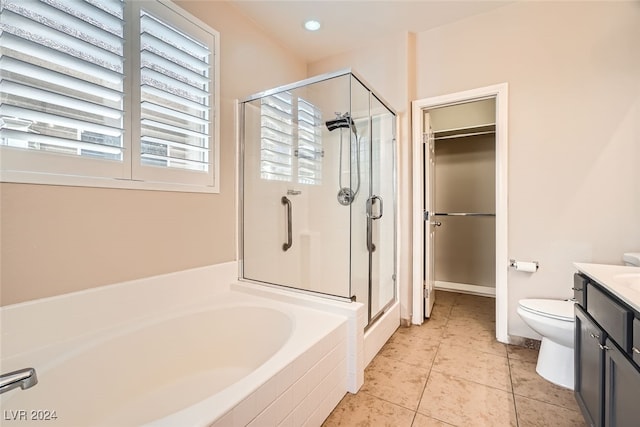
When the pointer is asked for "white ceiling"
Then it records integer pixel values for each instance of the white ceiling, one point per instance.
(348, 25)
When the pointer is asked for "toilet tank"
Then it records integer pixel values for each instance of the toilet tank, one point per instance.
(631, 258)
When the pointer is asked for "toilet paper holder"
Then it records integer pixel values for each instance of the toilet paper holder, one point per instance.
(524, 265)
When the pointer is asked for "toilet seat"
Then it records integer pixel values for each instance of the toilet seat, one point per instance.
(555, 309)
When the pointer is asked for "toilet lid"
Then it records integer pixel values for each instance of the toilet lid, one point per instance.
(557, 309)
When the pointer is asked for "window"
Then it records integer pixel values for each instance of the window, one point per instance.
(286, 119)
(276, 130)
(108, 93)
(309, 151)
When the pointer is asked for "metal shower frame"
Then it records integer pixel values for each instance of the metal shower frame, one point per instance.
(240, 156)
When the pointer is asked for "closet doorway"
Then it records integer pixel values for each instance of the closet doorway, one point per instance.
(459, 198)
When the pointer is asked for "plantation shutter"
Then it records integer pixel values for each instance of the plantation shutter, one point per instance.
(176, 96)
(61, 86)
(286, 120)
(108, 89)
(276, 146)
(310, 151)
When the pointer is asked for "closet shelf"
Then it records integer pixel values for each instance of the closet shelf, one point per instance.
(484, 129)
(463, 214)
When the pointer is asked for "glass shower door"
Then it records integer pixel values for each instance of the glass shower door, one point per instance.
(317, 185)
(373, 209)
(294, 228)
(381, 208)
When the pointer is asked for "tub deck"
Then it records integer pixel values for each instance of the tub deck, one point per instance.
(226, 356)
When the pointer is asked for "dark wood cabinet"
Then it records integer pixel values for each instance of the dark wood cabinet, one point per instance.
(612, 316)
(635, 349)
(589, 368)
(622, 389)
(607, 373)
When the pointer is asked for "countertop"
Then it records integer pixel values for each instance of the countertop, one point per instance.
(606, 275)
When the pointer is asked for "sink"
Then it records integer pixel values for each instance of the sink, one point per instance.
(631, 280)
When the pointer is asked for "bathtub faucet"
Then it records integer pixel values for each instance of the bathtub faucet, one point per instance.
(23, 378)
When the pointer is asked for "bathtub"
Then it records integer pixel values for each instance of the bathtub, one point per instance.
(226, 355)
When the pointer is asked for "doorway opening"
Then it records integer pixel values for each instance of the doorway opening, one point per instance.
(460, 198)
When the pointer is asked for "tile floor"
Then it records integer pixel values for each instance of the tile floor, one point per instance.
(451, 371)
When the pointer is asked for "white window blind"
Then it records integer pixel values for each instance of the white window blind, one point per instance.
(276, 158)
(291, 145)
(175, 96)
(309, 143)
(107, 89)
(62, 77)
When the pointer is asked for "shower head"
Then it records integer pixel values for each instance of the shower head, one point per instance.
(341, 121)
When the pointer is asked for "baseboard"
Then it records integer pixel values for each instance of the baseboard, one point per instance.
(531, 343)
(466, 288)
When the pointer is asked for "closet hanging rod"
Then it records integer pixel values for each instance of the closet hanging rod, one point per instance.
(462, 135)
(463, 214)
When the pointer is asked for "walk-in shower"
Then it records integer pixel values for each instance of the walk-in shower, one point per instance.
(302, 146)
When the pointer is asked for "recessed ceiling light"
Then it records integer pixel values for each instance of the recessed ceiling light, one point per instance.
(312, 25)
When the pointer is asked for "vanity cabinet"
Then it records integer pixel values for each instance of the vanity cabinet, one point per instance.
(589, 368)
(635, 349)
(607, 372)
(622, 389)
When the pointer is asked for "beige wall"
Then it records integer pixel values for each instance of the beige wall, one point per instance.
(574, 127)
(574, 148)
(573, 71)
(388, 66)
(62, 239)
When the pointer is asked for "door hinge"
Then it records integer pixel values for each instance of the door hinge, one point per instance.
(425, 216)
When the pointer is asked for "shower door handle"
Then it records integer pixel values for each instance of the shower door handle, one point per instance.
(371, 247)
(289, 243)
(370, 203)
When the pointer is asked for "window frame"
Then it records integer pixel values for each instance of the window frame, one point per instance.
(17, 165)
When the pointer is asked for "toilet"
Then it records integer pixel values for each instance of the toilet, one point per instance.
(554, 320)
(631, 258)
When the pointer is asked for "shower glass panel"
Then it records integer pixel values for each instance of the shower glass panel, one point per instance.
(315, 215)
(360, 244)
(381, 218)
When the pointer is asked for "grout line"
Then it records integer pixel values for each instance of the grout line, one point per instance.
(448, 316)
(513, 390)
(474, 382)
(545, 402)
(438, 347)
(428, 376)
(390, 402)
(413, 420)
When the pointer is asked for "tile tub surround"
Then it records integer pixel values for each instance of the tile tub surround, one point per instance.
(451, 371)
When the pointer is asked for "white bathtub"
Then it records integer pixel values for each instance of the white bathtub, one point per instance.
(223, 357)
